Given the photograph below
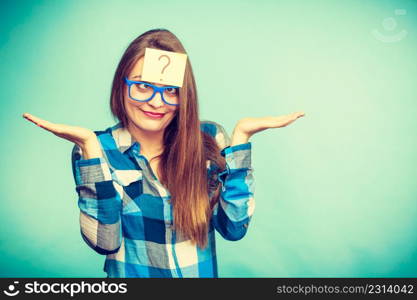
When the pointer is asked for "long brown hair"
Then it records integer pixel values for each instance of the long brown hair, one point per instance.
(183, 163)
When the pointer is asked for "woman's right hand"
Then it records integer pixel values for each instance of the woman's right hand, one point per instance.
(86, 139)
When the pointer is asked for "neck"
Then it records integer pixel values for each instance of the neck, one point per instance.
(151, 143)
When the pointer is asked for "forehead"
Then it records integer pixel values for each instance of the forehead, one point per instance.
(136, 72)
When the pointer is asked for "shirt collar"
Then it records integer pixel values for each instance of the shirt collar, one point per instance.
(123, 139)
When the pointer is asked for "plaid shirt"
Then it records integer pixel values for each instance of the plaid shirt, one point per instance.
(126, 214)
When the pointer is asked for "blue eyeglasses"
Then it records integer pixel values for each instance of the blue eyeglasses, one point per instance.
(143, 92)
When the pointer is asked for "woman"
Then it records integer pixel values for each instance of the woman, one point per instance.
(154, 187)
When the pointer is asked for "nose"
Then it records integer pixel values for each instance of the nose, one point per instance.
(156, 101)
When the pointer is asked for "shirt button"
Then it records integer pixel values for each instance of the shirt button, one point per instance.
(169, 201)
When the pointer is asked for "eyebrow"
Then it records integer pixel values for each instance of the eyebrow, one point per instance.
(139, 76)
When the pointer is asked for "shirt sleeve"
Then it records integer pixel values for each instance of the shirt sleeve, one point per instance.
(99, 202)
(233, 212)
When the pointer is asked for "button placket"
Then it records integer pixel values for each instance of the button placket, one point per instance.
(144, 164)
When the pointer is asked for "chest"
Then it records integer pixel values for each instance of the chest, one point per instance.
(146, 173)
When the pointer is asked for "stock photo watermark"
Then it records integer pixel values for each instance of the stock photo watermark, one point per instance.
(391, 34)
(65, 288)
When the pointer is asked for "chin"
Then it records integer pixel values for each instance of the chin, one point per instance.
(147, 125)
(150, 127)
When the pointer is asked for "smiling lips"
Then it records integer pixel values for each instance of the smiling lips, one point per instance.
(153, 115)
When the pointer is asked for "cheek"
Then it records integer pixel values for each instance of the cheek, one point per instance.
(172, 114)
(132, 106)
(132, 111)
(174, 111)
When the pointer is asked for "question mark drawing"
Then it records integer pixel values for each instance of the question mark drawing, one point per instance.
(169, 61)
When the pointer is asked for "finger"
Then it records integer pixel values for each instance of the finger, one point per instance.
(274, 122)
(31, 118)
(282, 121)
(40, 122)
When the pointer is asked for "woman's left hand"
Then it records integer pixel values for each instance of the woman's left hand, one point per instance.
(247, 127)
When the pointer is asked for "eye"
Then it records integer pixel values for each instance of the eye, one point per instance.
(172, 91)
(142, 86)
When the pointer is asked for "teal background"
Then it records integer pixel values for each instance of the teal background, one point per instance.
(335, 190)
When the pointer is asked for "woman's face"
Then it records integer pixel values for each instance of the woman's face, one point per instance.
(136, 111)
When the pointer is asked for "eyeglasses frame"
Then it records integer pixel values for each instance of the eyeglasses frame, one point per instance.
(156, 89)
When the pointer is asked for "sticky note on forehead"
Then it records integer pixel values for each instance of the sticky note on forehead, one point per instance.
(164, 67)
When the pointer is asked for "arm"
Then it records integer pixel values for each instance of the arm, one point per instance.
(233, 212)
(99, 202)
(236, 204)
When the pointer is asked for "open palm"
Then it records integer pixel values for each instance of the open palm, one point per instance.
(78, 135)
(250, 126)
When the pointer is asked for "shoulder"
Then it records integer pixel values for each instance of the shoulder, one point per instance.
(106, 137)
(217, 131)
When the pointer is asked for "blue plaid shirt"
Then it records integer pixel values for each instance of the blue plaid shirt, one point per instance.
(126, 214)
